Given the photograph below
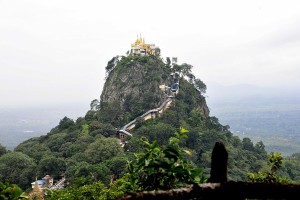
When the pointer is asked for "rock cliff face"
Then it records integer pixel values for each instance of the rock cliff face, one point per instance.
(132, 86)
(135, 80)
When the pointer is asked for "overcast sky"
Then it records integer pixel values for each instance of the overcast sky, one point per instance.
(56, 51)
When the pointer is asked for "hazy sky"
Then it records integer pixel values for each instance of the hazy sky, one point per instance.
(56, 51)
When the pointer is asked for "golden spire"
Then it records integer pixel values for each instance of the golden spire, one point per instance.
(36, 193)
(137, 39)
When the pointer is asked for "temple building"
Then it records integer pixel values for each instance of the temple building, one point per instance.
(139, 47)
(46, 182)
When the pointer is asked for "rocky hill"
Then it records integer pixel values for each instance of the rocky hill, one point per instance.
(133, 86)
(88, 150)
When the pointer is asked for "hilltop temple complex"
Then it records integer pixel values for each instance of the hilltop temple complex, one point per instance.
(139, 47)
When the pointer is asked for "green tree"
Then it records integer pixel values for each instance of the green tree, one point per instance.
(275, 162)
(90, 115)
(103, 149)
(104, 129)
(84, 129)
(117, 165)
(17, 167)
(196, 118)
(200, 85)
(65, 123)
(9, 191)
(94, 191)
(34, 148)
(176, 69)
(94, 125)
(87, 173)
(161, 132)
(163, 168)
(56, 141)
(76, 148)
(213, 123)
(110, 113)
(260, 150)
(107, 130)
(186, 69)
(248, 144)
(111, 64)
(2, 150)
(52, 165)
(168, 60)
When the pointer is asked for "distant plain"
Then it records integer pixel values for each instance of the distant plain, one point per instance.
(269, 115)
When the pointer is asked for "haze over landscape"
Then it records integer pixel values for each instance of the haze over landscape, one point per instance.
(54, 53)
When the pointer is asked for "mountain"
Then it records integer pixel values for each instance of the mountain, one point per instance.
(150, 100)
(133, 87)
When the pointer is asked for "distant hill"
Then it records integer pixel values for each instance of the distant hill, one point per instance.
(260, 113)
(245, 94)
(20, 124)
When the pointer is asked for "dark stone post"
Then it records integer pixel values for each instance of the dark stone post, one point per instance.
(219, 164)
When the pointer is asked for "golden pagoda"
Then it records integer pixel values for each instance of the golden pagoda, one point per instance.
(37, 192)
(139, 47)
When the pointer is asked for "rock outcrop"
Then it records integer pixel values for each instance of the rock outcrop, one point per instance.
(133, 87)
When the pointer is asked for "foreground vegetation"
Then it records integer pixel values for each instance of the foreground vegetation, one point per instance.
(156, 169)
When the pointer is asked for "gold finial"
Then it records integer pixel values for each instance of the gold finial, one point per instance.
(137, 39)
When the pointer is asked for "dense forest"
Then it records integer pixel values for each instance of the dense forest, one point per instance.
(88, 154)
